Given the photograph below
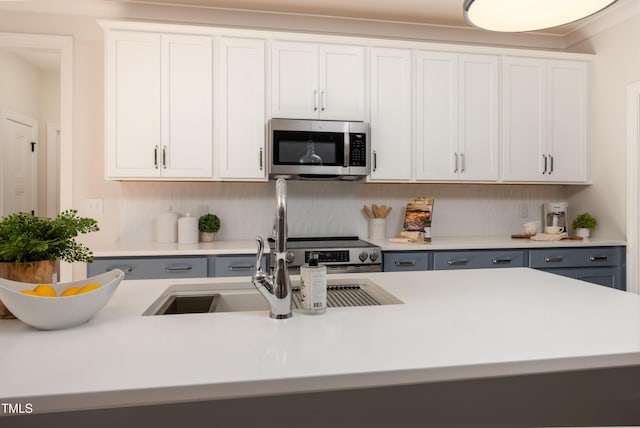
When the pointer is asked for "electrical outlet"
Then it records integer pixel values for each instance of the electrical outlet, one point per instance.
(524, 210)
(94, 207)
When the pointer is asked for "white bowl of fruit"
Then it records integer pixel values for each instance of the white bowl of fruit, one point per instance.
(60, 305)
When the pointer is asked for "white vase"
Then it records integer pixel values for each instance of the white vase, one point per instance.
(206, 236)
(583, 232)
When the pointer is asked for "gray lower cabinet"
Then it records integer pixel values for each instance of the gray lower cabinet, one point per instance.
(152, 267)
(236, 265)
(599, 265)
(479, 259)
(396, 261)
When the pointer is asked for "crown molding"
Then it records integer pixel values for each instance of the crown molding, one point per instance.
(610, 17)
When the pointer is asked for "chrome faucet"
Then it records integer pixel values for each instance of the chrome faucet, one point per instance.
(276, 288)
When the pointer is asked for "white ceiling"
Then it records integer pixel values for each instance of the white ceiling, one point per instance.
(431, 12)
(438, 12)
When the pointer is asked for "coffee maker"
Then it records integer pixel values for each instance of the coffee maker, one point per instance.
(555, 214)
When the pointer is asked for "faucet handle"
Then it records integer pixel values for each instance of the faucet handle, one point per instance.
(260, 253)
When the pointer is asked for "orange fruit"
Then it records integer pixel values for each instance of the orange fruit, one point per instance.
(89, 287)
(29, 292)
(45, 290)
(71, 291)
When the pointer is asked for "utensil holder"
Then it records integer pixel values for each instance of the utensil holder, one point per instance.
(377, 228)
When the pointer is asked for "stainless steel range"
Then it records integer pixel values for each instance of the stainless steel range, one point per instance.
(343, 254)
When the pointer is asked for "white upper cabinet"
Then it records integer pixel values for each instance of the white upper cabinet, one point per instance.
(545, 120)
(457, 119)
(312, 81)
(390, 114)
(241, 120)
(133, 104)
(159, 106)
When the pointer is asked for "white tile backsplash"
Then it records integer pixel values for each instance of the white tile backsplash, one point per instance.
(333, 208)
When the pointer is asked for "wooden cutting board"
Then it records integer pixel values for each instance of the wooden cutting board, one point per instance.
(570, 238)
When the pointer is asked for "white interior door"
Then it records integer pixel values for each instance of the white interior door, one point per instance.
(19, 163)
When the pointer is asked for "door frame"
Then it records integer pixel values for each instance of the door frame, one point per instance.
(633, 186)
(63, 45)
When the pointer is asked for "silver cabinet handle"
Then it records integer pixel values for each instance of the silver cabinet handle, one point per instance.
(462, 163)
(457, 262)
(503, 261)
(556, 259)
(315, 100)
(260, 158)
(598, 258)
(375, 160)
(550, 164)
(405, 263)
(155, 157)
(545, 164)
(455, 169)
(178, 269)
(126, 270)
(164, 157)
(323, 101)
(239, 267)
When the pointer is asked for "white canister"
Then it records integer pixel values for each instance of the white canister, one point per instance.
(167, 227)
(188, 229)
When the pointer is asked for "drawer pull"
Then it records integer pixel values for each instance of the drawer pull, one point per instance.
(598, 258)
(553, 259)
(501, 261)
(126, 270)
(240, 267)
(457, 262)
(178, 269)
(405, 263)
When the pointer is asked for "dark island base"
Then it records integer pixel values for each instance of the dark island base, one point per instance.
(602, 397)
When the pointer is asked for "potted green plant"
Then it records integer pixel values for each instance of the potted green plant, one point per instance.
(583, 224)
(31, 245)
(208, 224)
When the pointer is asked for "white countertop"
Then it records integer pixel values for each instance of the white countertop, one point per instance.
(452, 325)
(490, 242)
(151, 248)
(146, 248)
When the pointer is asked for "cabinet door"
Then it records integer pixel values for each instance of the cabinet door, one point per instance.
(437, 156)
(390, 114)
(523, 106)
(295, 93)
(341, 82)
(187, 106)
(478, 120)
(241, 109)
(567, 117)
(396, 261)
(133, 104)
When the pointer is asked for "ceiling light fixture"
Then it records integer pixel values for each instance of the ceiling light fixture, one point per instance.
(528, 15)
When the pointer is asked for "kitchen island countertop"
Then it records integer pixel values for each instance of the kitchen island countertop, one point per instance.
(452, 325)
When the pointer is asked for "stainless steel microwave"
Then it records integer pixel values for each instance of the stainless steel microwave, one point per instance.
(318, 149)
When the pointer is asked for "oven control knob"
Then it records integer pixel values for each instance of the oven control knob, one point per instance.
(374, 256)
(290, 257)
(363, 256)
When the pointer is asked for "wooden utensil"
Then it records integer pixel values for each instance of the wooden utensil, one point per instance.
(367, 211)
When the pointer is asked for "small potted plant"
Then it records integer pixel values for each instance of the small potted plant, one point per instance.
(208, 224)
(31, 245)
(583, 223)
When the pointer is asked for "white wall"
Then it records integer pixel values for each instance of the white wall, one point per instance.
(246, 209)
(616, 64)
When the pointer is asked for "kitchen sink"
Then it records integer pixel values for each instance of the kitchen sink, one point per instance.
(238, 297)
